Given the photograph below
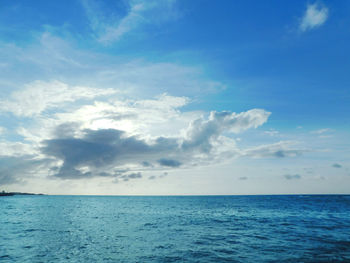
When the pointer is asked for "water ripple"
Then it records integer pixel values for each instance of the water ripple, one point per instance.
(175, 229)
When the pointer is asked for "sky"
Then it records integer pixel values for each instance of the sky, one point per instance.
(175, 97)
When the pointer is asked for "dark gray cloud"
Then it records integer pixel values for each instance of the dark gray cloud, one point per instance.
(242, 178)
(169, 162)
(337, 165)
(14, 170)
(6, 179)
(99, 149)
(292, 176)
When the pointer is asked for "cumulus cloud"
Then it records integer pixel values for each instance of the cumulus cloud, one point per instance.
(85, 153)
(201, 131)
(121, 139)
(292, 176)
(315, 16)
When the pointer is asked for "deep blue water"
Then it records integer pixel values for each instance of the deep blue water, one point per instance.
(175, 229)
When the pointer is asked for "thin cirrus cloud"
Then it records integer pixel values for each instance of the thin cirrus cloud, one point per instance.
(315, 16)
(109, 28)
(38, 63)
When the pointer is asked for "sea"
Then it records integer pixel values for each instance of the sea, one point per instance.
(279, 228)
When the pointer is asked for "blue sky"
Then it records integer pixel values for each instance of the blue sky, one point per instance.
(174, 97)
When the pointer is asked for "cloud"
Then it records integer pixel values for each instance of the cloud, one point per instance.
(49, 54)
(321, 131)
(337, 165)
(169, 162)
(280, 150)
(292, 176)
(243, 178)
(127, 177)
(272, 133)
(16, 149)
(201, 131)
(315, 16)
(86, 152)
(146, 164)
(15, 170)
(101, 151)
(120, 138)
(39, 96)
(110, 28)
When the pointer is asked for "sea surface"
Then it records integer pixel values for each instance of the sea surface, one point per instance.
(175, 229)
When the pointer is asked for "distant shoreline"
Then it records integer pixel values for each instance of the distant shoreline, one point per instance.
(16, 193)
(233, 195)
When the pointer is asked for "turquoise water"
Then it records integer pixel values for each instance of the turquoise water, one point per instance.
(175, 229)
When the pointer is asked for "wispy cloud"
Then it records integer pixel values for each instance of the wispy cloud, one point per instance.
(280, 149)
(321, 131)
(315, 16)
(38, 96)
(110, 28)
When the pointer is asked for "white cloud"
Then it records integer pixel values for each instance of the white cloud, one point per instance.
(201, 131)
(315, 16)
(16, 149)
(321, 131)
(39, 96)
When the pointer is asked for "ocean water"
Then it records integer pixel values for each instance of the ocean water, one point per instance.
(175, 229)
